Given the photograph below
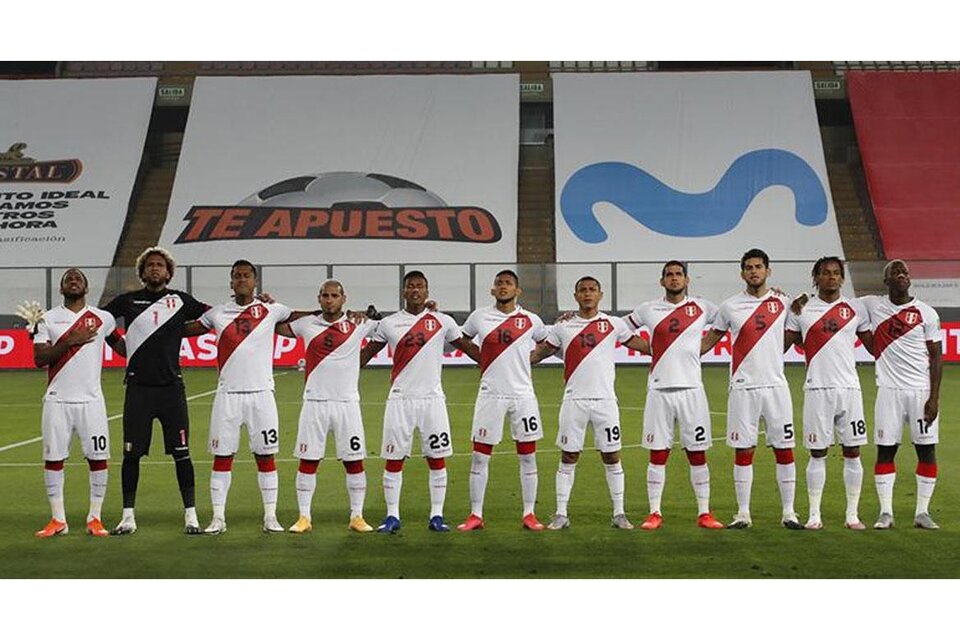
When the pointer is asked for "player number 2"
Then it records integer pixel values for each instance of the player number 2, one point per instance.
(269, 436)
(859, 427)
(99, 443)
(530, 424)
(700, 434)
(438, 440)
(613, 433)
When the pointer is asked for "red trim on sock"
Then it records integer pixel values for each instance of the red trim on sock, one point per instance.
(394, 466)
(266, 465)
(353, 467)
(659, 456)
(927, 470)
(849, 455)
(525, 448)
(783, 456)
(883, 468)
(697, 458)
(53, 465)
(485, 449)
(743, 457)
(436, 464)
(97, 465)
(223, 463)
(308, 466)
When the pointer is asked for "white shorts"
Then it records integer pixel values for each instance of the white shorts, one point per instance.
(321, 417)
(829, 413)
(688, 407)
(603, 414)
(490, 412)
(88, 419)
(744, 410)
(257, 410)
(403, 415)
(895, 407)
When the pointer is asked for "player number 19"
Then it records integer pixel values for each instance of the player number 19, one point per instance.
(613, 433)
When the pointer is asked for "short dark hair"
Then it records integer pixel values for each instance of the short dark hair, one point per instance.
(414, 274)
(673, 263)
(824, 260)
(587, 279)
(754, 253)
(244, 263)
(86, 283)
(508, 272)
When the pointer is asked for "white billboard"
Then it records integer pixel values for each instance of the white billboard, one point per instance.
(348, 170)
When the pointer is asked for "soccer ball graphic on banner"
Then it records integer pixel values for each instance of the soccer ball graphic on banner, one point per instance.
(343, 189)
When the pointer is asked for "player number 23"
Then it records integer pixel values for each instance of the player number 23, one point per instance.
(438, 440)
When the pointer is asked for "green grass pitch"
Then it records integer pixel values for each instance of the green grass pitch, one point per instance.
(589, 549)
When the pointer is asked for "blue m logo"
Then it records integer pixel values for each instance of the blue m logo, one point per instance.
(691, 215)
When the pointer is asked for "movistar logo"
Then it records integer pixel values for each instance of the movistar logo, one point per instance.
(691, 215)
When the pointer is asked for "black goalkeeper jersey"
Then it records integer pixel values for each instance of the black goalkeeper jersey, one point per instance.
(154, 327)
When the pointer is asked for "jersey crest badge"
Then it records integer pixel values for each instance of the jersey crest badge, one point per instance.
(603, 326)
(845, 313)
(520, 322)
(690, 310)
(431, 325)
(256, 312)
(170, 302)
(344, 326)
(912, 318)
(89, 323)
(773, 307)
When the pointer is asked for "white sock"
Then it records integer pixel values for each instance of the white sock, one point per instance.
(615, 484)
(356, 492)
(438, 491)
(98, 491)
(392, 483)
(700, 479)
(656, 478)
(743, 485)
(853, 482)
(53, 480)
(529, 479)
(219, 489)
(127, 514)
(268, 481)
(787, 482)
(884, 483)
(479, 471)
(816, 479)
(566, 473)
(925, 486)
(190, 516)
(306, 484)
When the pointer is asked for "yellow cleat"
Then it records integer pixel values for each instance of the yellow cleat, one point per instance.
(302, 525)
(360, 525)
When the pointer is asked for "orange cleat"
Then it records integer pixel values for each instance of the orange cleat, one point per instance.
(53, 528)
(707, 521)
(472, 523)
(653, 521)
(531, 523)
(96, 528)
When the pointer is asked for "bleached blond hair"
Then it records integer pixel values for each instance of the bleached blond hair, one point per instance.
(159, 251)
(889, 265)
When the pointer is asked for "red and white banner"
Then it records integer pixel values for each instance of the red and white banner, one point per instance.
(16, 351)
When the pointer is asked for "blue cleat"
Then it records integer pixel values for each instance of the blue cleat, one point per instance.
(390, 524)
(437, 524)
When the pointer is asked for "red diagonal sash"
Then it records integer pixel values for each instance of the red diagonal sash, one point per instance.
(500, 339)
(894, 327)
(412, 341)
(827, 326)
(756, 326)
(86, 320)
(583, 343)
(671, 328)
(326, 342)
(238, 330)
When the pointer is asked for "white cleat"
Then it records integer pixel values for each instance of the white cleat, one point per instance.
(217, 526)
(813, 525)
(740, 521)
(885, 521)
(620, 521)
(855, 525)
(558, 522)
(272, 525)
(924, 521)
(125, 527)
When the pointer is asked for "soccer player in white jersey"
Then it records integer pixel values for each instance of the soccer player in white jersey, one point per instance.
(507, 333)
(331, 402)
(827, 329)
(69, 342)
(907, 348)
(416, 336)
(675, 389)
(244, 329)
(758, 388)
(587, 341)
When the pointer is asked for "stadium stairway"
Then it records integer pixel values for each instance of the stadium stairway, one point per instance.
(858, 230)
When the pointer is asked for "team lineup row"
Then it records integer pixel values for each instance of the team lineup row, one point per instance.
(505, 340)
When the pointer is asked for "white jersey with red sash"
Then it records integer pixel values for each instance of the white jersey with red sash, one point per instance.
(829, 331)
(676, 330)
(245, 343)
(756, 335)
(75, 377)
(900, 336)
(588, 345)
(506, 340)
(417, 343)
(332, 354)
